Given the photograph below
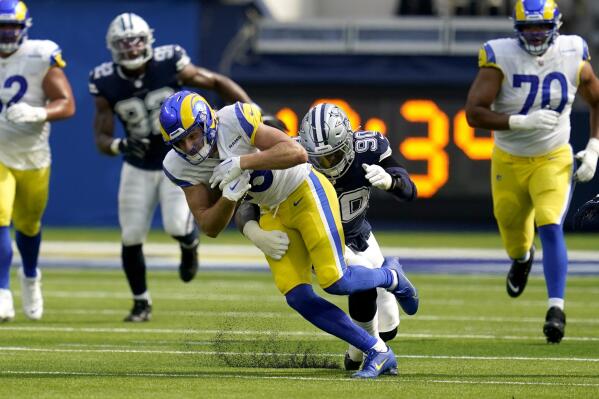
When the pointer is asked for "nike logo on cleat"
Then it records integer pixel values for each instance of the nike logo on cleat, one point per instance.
(512, 287)
(379, 366)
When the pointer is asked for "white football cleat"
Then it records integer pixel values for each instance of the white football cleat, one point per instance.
(31, 293)
(7, 308)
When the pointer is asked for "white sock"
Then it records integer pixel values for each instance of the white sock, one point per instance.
(395, 281)
(380, 346)
(145, 296)
(525, 258)
(559, 302)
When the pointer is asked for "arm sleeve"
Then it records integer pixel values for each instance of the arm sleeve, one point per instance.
(246, 212)
(402, 187)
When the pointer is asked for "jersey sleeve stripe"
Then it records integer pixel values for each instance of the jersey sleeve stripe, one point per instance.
(247, 127)
(178, 182)
(586, 56)
(56, 59)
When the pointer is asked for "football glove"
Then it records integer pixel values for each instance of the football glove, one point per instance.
(131, 146)
(586, 217)
(378, 177)
(25, 113)
(236, 189)
(588, 161)
(225, 172)
(542, 119)
(273, 243)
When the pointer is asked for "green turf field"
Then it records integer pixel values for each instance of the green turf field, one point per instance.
(230, 335)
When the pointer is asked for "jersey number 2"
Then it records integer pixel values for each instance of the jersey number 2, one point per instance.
(20, 80)
(533, 81)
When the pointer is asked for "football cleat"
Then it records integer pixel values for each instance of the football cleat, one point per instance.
(405, 292)
(142, 311)
(377, 363)
(189, 263)
(517, 277)
(555, 324)
(31, 294)
(7, 308)
(351, 365)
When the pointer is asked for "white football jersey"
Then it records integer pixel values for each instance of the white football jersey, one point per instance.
(531, 83)
(237, 125)
(25, 145)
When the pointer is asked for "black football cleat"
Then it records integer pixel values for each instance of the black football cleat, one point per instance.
(351, 365)
(189, 263)
(142, 311)
(517, 277)
(555, 324)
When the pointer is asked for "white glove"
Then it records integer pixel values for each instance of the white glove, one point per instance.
(273, 243)
(378, 177)
(542, 119)
(225, 172)
(25, 113)
(588, 161)
(237, 188)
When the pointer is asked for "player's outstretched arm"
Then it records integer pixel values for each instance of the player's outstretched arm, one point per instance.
(202, 78)
(589, 89)
(56, 86)
(277, 151)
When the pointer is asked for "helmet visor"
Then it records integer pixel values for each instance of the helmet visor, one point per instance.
(328, 161)
(131, 48)
(10, 33)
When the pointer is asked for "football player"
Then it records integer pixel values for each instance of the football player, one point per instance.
(354, 162)
(524, 91)
(271, 169)
(33, 91)
(133, 86)
(586, 217)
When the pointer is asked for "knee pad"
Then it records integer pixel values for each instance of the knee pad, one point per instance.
(362, 305)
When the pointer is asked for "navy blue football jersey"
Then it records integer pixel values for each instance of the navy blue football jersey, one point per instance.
(137, 101)
(353, 189)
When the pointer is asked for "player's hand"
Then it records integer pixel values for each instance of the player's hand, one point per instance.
(236, 189)
(25, 113)
(225, 172)
(588, 161)
(134, 146)
(378, 177)
(273, 243)
(542, 119)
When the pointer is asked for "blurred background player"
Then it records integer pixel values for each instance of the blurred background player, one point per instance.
(354, 162)
(270, 167)
(524, 91)
(586, 217)
(133, 86)
(33, 91)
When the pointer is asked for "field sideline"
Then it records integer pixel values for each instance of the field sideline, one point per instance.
(229, 334)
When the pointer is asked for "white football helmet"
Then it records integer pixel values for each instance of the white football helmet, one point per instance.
(130, 40)
(328, 138)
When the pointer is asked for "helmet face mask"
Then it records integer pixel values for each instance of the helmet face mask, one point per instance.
(189, 125)
(129, 39)
(327, 136)
(14, 24)
(536, 23)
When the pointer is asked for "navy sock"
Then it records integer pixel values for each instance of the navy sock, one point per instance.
(328, 317)
(29, 248)
(5, 256)
(360, 278)
(555, 259)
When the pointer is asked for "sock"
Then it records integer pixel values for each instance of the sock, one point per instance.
(559, 302)
(555, 259)
(394, 282)
(328, 317)
(189, 241)
(525, 258)
(362, 305)
(29, 248)
(144, 297)
(5, 257)
(360, 278)
(380, 346)
(134, 265)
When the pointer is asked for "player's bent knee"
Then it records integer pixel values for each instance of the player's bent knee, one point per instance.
(300, 296)
(29, 229)
(342, 286)
(132, 237)
(504, 213)
(388, 335)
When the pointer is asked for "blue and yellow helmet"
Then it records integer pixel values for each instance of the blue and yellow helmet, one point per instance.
(181, 113)
(13, 12)
(539, 13)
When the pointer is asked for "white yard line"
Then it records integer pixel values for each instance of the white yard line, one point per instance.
(321, 335)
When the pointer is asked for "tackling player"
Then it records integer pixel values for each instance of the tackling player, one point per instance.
(133, 86)
(271, 168)
(33, 91)
(524, 91)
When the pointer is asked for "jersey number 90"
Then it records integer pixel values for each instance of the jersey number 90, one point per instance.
(141, 116)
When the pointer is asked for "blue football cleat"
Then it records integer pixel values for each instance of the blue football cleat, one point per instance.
(405, 292)
(377, 363)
